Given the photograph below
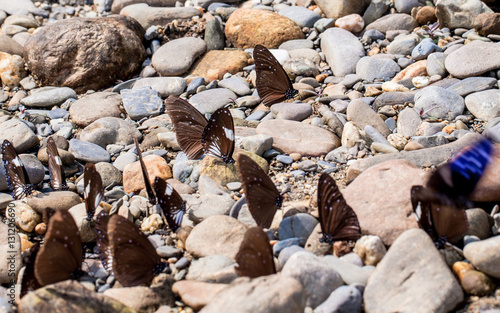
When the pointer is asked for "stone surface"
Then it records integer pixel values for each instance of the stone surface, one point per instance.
(165, 86)
(110, 130)
(167, 60)
(370, 68)
(10, 46)
(342, 50)
(453, 14)
(90, 108)
(19, 134)
(133, 180)
(484, 255)
(149, 16)
(484, 104)
(120, 4)
(397, 21)
(197, 294)
(119, 59)
(438, 102)
(337, 9)
(487, 23)
(473, 59)
(11, 69)
(214, 64)
(343, 299)
(49, 97)
(362, 115)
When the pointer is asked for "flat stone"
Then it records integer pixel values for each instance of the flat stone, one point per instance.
(120, 4)
(141, 102)
(213, 268)
(337, 9)
(19, 134)
(296, 111)
(342, 50)
(214, 64)
(133, 180)
(472, 84)
(397, 21)
(350, 273)
(197, 294)
(148, 16)
(484, 104)
(484, 255)
(370, 68)
(362, 115)
(438, 102)
(236, 84)
(165, 86)
(210, 100)
(300, 15)
(90, 108)
(49, 97)
(473, 59)
(166, 60)
(88, 152)
(10, 46)
(342, 299)
(110, 130)
(55, 200)
(453, 14)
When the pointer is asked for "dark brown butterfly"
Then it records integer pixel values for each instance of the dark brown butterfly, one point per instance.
(102, 241)
(218, 136)
(60, 257)
(440, 206)
(189, 124)
(273, 84)
(17, 177)
(57, 177)
(255, 257)
(145, 175)
(29, 281)
(337, 219)
(93, 189)
(263, 199)
(135, 260)
(171, 203)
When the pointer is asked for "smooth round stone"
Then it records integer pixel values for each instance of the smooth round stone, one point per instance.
(182, 263)
(25, 217)
(287, 252)
(281, 245)
(403, 44)
(397, 21)
(473, 59)
(484, 105)
(285, 159)
(210, 100)
(88, 152)
(424, 48)
(484, 255)
(296, 44)
(49, 97)
(472, 85)
(165, 86)
(298, 174)
(300, 15)
(110, 130)
(435, 64)
(342, 50)
(236, 84)
(109, 174)
(342, 299)
(166, 60)
(370, 68)
(142, 102)
(323, 24)
(90, 108)
(257, 143)
(168, 252)
(214, 35)
(308, 166)
(371, 249)
(19, 134)
(57, 113)
(194, 84)
(296, 111)
(297, 226)
(301, 67)
(234, 186)
(445, 104)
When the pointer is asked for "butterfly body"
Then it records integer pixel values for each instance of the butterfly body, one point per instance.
(217, 138)
(172, 204)
(17, 176)
(57, 177)
(93, 189)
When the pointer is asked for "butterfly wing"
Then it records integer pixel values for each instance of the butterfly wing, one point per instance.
(93, 189)
(189, 124)
(272, 82)
(57, 177)
(29, 281)
(60, 257)
(337, 219)
(171, 203)
(263, 199)
(17, 177)
(218, 136)
(135, 260)
(103, 249)
(147, 183)
(255, 257)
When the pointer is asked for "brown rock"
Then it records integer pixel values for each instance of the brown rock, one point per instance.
(472, 281)
(424, 15)
(66, 157)
(118, 5)
(133, 180)
(10, 46)
(214, 64)
(70, 296)
(340, 8)
(11, 69)
(246, 28)
(55, 200)
(487, 23)
(302, 138)
(418, 68)
(58, 54)
(197, 294)
(385, 208)
(90, 108)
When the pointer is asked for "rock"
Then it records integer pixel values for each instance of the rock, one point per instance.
(342, 299)
(370, 68)
(424, 48)
(318, 278)
(165, 86)
(414, 70)
(405, 6)
(70, 296)
(236, 84)
(401, 281)
(166, 60)
(118, 5)
(119, 59)
(397, 21)
(342, 50)
(141, 102)
(11, 69)
(393, 98)
(110, 130)
(453, 14)
(217, 234)
(197, 294)
(473, 59)
(88, 152)
(396, 176)
(338, 9)
(133, 180)
(471, 85)
(375, 10)
(403, 44)
(10, 248)
(257, 144)
(483, 255)
(487, 23)
(484, 104)
(214, 35)
(300, 15)
(214, 64)
(90, 108)
(19, 134)
(208, 204)
(371, 249)
(212, 268)
(55, 200)
(149, 16)
(47, 98)
(246, 27)
(352, 22)
(435, 64)
(10, 46)
(472, 281)
(439, 103)
(291, 136)
(273, 294)
(425, 15)
(362, 115)
(296, 111)
(350, 273)
(299, 225)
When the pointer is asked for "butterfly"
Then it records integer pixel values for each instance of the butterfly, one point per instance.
(57, 177)
(272, 83)
(255, 257)
(189, 124)
(337, 219)
(17, 176)
(218, 136)
(29, 281)
(440, 206)
(149, 189)
(171, 203)
(263, 199)
(102, 241)
(93, 190)
(60, 257)
(134, 259)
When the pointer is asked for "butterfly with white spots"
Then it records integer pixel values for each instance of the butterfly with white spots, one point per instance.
(57, 177)
(171, 203)
(17, 176)
(218, 136)
(93, 189)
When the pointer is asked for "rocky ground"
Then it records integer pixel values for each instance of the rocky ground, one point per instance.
(397, 98)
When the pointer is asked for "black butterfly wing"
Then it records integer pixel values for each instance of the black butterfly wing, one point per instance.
(17, 177)
(272, 82)
(255, 257)
(171, 203)
(102, 241)
(60, 257)
(337, 219)
(263, 199)
(459, 177)
(189, 124)
(57, 177)
(135, 260)
(218, 136)
(147, 183)
(29, 281)
(93, 189)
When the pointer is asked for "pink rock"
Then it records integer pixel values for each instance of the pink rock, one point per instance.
(353, 23)
(416, 69)
(197, 294)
